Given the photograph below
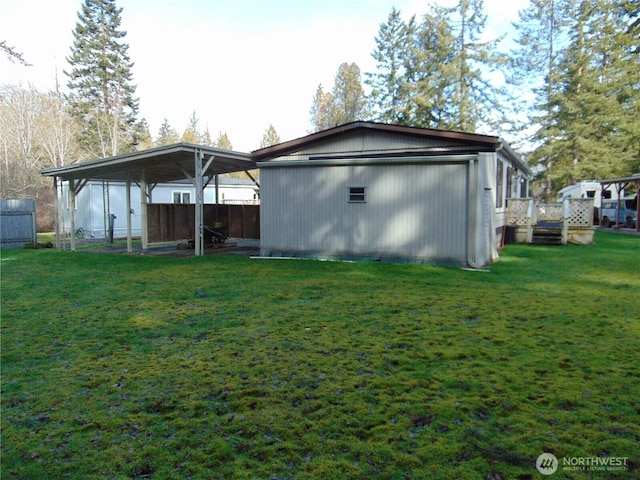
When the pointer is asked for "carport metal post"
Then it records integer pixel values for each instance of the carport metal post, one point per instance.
(72, 216)
(128, 207)
(619, 188)
(198, 183)
(199, 243)
(75, 186)
(58, 210)
(144, 233)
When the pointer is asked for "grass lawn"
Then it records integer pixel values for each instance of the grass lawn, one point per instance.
(123, 366)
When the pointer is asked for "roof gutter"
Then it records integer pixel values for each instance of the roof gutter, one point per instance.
(517, 157)
(338, 162)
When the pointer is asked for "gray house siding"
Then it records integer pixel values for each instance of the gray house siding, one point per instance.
(412, 211)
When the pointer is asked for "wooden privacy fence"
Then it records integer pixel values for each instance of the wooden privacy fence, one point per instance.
(17, 223)
(170, 222)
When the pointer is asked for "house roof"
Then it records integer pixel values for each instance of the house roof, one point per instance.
(160, 164)
(475, 141)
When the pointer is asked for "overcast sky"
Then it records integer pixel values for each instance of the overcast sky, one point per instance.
(241, 65)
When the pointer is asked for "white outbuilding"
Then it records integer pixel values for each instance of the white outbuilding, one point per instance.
(389, 193)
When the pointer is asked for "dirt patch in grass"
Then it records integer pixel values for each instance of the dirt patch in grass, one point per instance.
(224, 367)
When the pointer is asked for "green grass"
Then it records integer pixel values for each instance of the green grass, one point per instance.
(124, 366)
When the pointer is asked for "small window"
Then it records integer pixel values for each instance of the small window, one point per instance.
(181, 197)
(357, 194)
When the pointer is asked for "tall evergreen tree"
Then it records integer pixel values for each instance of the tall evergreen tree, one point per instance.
(142, 134)
(389, 95)
(350, 102)
(223, 141)
(535, 65)
(166, 134)
(346, 103)
(598, 104)
(476, 98)
(430, 72)
(270, 137)
(581, 57)
(192, 132)
(321, 115)
(102, 96)
(444, 80)
(628, 14)
(205, 137)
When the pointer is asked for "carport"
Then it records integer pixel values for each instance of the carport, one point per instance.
(620, 184)
(197, 163)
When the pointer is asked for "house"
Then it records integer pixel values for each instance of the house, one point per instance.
(386, 192)
(92, 218)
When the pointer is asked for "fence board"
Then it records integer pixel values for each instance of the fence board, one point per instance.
(17, 223)
(173, 222)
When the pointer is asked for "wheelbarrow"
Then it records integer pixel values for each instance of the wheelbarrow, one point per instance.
(215, 234)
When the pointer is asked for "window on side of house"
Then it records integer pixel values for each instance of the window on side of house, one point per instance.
(357, 195)
(181, 197)
(523, 187)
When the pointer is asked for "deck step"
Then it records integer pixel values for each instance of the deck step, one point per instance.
(546, 236)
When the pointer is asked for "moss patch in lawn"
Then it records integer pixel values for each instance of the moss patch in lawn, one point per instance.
(120, 366)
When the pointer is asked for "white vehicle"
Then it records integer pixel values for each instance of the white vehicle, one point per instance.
(584, 189)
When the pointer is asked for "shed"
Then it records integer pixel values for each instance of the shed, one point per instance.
(368, 190)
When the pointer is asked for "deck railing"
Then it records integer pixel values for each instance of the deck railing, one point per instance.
(573, 214)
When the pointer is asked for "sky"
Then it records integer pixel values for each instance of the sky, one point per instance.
(240, 65)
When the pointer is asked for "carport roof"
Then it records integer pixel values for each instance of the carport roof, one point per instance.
(635, 178)
(160, 164)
